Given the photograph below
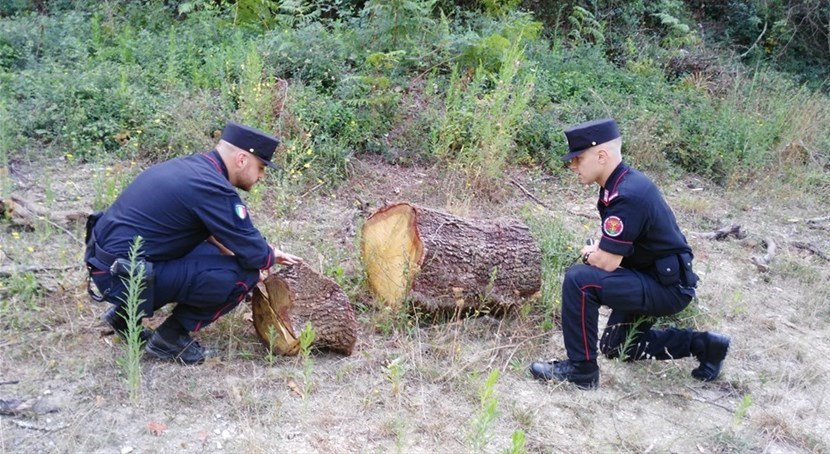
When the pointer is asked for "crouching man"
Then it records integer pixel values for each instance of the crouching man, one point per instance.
(641, 268)
(200, 248)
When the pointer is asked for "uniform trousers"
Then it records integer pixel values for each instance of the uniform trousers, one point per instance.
(635, 298)
(204, 283)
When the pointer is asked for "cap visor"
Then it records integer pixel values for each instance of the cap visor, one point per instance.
(269, 163)
(572, 155)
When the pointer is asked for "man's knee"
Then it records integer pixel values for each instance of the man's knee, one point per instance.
(580, 275)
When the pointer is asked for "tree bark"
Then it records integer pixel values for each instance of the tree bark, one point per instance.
(294, 296)
(446, 263)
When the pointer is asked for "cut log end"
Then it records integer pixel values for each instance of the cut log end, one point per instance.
(269, 306)
(286, 301)
(392, 250)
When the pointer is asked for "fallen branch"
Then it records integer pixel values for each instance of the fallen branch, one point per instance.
(8, 271)
(9, 382)
(27, 214)
(812, 220)
(529, 194)
(762, 262)
(810, 248)
(721, 233)
(28, 425)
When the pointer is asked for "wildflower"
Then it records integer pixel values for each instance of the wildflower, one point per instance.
(30, 249)
(15, 235)
(69, 156)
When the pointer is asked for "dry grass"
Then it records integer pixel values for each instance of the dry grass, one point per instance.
(412, 386)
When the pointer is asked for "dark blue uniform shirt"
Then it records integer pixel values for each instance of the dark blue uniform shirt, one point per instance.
(637, 223)
(175, 206)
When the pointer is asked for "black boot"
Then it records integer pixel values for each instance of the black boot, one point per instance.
(172, 342)
(584, 374)
(710, 349)
(118, 323)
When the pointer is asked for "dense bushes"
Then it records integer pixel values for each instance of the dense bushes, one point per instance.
(473, 90)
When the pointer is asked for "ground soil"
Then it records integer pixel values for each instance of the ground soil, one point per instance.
(416, 387)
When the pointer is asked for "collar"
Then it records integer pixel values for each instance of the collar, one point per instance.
(609, 192)
(218, 163)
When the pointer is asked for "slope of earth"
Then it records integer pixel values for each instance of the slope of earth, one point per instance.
(412, 386)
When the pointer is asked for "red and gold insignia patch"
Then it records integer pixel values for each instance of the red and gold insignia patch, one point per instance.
(612, 226)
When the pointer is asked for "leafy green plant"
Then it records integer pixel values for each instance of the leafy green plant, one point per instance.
(482, 113)
(109, 183)
(394, 373)
(256, 99)
(482, 422)
(742, 409)
(307, 336)
(270, 356)
(397, 23)
(631, 334)
(585, 28)
(135, 284)
(517, 445)
(559, 251)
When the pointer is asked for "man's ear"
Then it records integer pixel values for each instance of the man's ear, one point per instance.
(603, 154)
(241, 157)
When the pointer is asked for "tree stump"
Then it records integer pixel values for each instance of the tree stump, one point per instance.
(285, 301)
(446, 263)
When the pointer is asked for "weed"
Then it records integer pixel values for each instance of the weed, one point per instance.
(483, 111)
(109, 184)
(517, 445)
(558, 253)
(307, 336)
(741, 410)
(482, 423)
(17, 292)
(270, 356)
(394, 372)
(135, 284)
(631, 335)
(255, 96)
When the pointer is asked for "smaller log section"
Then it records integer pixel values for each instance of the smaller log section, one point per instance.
(446, 263)
(285, 301)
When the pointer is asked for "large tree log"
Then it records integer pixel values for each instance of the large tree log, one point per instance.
(286, 300)
(446, 263)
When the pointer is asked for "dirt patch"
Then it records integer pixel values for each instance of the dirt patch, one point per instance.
(415, 387)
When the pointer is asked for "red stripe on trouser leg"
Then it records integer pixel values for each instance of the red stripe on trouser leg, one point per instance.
(238, 300)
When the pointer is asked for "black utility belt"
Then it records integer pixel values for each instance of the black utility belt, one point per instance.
(121, 268)
(676, 269)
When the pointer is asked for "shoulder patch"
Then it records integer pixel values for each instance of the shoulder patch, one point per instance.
(241, 211)
(612, 226)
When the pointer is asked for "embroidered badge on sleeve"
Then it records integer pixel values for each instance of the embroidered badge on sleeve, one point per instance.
(241, 211)
(612, 226)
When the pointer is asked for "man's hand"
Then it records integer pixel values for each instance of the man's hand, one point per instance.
(590, 246)
(284, 258)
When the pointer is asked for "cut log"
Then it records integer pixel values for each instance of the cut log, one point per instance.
(285, 301)
(446, 263)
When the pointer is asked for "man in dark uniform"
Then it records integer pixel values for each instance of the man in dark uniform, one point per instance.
(641, 268)
(199, 248)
